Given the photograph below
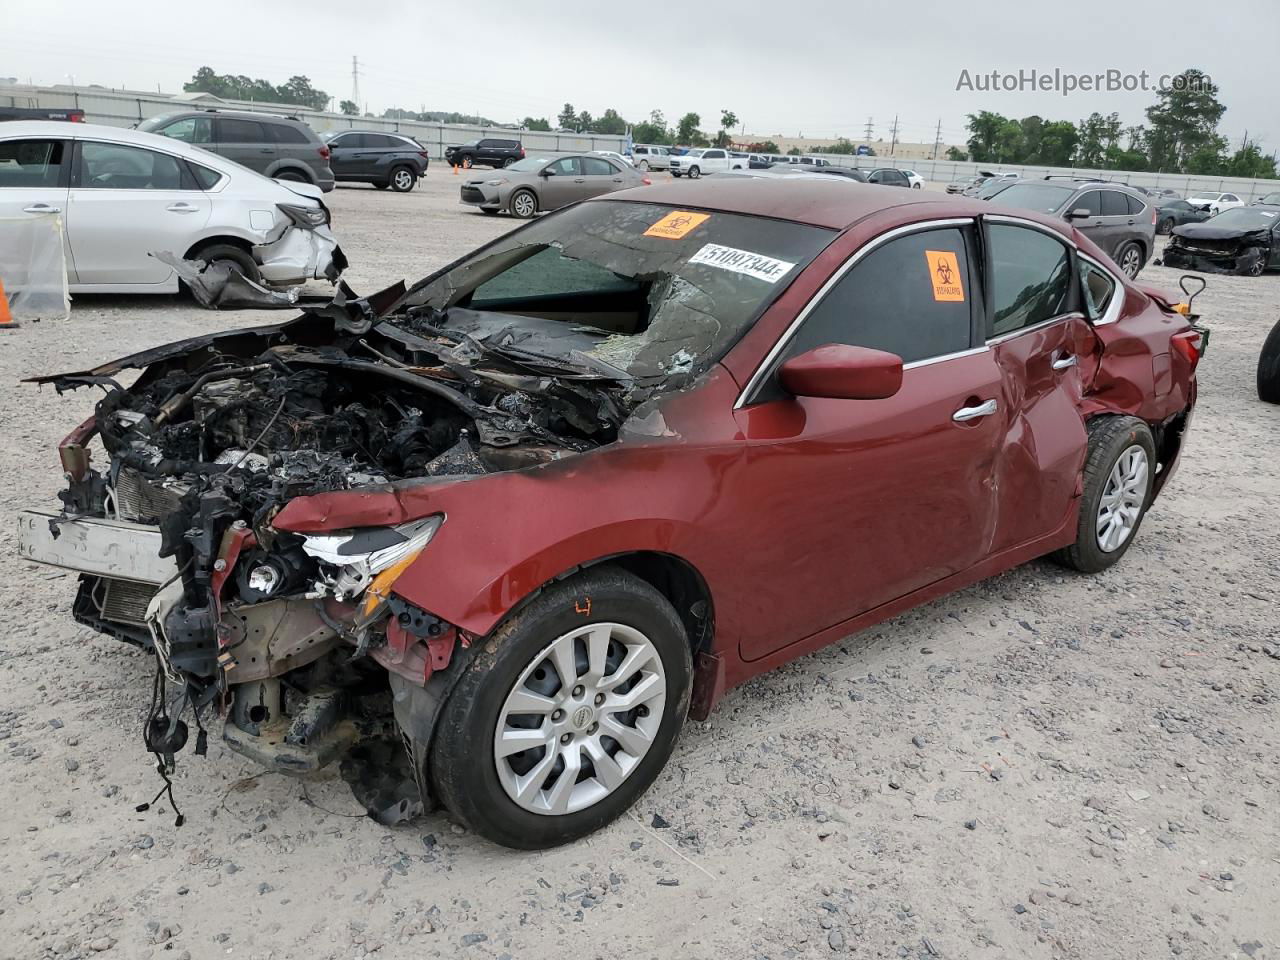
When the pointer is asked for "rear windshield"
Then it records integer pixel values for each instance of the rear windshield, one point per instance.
(1041, 197)
(1244, 218)
(641, 289)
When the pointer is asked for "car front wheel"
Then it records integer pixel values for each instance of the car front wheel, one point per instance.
(1118, 474)
(524, 204)
(1269, 367)
(694, 173)
(566, 714)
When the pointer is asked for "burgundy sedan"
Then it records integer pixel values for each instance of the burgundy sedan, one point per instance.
(529, 514)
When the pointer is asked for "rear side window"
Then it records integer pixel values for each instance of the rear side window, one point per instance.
(598, 167)
(1135, 205)
(1031, 278)
(206, 178)
(1114, 204)
(240, 131)
(113, 166)
(913, 297)
(285, 133)
(1098, 288)
(32, 163)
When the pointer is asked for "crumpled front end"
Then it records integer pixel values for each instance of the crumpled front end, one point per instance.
(1245, 255)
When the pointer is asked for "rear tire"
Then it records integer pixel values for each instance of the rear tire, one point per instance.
(227, 253)
(1129, 259)
(403, 179)
(523, 800)
(1269, 368)
(507, 162)
(1119, 471)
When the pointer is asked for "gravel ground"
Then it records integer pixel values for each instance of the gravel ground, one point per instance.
(1044, 765)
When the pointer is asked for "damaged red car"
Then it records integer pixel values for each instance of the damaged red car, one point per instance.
(524, 517)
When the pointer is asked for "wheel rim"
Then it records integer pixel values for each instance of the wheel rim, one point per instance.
(644, 165)
(1130, 263)
(1120, 507)
(695, 172)
(1255, 268)
(466, 162)
(524, 205)
(403, 180)
(579, 719)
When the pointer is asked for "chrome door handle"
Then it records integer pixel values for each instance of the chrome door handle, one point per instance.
(973, 413)
(579, 179)
(1064, 362)
(41, 208)
(181, 207)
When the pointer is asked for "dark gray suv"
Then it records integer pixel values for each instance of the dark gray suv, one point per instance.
(1115, 217)
(283, 148)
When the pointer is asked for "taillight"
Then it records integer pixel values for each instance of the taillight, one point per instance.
(522, 153)
(646, 181)
(1154, 213)
(423, 154)
(77, 118)
(324, 153)
(1189, 344)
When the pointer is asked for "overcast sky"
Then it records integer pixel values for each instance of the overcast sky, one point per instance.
(818, 68)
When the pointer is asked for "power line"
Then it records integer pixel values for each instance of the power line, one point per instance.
(870, 125)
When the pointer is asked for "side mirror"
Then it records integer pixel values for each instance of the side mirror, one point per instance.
(546, 172)
(841, 372)
(1079, 213)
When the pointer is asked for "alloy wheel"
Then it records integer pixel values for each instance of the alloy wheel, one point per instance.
(580, 718)
(1120, 507)
(524, 204)
(403, 179)
(1131, 263)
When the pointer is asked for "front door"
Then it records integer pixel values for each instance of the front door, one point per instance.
(566, 184)
(126, 203)
(859, 502)
(1046, 351)
(345, 155)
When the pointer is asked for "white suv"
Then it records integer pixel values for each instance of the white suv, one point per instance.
(646, 157)
(711, 160)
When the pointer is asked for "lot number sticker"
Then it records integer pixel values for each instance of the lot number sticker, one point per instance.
(742, 261)
(676, 224)
(944, 271)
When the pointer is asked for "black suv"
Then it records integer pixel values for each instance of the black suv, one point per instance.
(384, 159)
(283, 148)
(489, 152)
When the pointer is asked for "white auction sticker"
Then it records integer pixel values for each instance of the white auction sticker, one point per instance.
(742, 261)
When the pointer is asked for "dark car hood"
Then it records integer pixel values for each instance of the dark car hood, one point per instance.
(1207, 231)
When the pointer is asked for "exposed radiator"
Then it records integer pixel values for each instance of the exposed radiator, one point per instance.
(125, 601)
(141, 501)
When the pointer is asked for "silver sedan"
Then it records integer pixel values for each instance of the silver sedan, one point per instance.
(536, 184)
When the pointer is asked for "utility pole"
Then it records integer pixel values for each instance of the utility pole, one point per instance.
(937, 141)
(355, 82)
(893, 145)
(867, 135)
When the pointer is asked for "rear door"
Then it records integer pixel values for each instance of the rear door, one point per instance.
(34, 177)
(245, 142)
(601, 176)
(1046, 352)
(877, 498)
(1119, 225)
(125, 203)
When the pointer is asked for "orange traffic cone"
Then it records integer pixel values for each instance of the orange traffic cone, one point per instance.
(455, 169)
(6, 318)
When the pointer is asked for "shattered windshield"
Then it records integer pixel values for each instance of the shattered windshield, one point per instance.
(617, 289)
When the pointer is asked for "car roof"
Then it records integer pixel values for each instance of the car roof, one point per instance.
(834, 202)
(386, 133)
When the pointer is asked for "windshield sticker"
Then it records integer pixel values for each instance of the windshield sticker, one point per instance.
(676, 224)
(742, 261)
(944, 270)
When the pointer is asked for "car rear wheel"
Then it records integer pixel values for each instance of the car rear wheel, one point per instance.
(507, 162)
(403, 179)
(1269, 368)
(566, 714)
(523, 204)
(1119, 471)
(694, 173)
(229, 254)
(1129, 259)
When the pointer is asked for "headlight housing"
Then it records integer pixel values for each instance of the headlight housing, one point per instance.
(360, 556)
(496, 183)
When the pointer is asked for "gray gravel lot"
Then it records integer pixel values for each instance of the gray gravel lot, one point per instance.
(1044, 765)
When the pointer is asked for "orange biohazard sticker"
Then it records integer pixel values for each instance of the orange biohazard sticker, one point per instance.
(676, 224)
(944, 271)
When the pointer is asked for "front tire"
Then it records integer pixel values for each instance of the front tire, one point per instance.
(567, 713)
(1269, 368)
(1119, 471)
(1165, 226)
(694, 173)
(523, 204)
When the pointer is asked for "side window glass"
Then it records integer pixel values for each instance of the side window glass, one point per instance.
(190, 130)
(597, 167)
(911, 296)
(112, 166)
(285, 133)
(1135, 205)
(1031, 278)
(1113, 204)
(207, 178)
(566, 167)
(1091, 201)
(1098, 288)
(31, 163)
(240, 131)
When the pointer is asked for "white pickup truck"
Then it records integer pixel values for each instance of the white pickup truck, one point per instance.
(710, 160)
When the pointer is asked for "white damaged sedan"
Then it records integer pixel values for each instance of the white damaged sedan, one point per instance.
(141, 212)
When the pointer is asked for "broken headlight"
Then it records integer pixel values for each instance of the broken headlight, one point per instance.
(308, 218)
(362, 557)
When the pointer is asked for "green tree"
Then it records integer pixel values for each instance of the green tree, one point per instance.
(611, 122)
(687, 131)
(348, 108)
(955, 153)
(728, 120)
(584, 122)
(984, 135)
(793, 152)
(653, 130)
(529, 123)
(568, 117)
(1183, 124)
(1249, 161)
(299, 90)
(1058, 139)
(764, 146)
